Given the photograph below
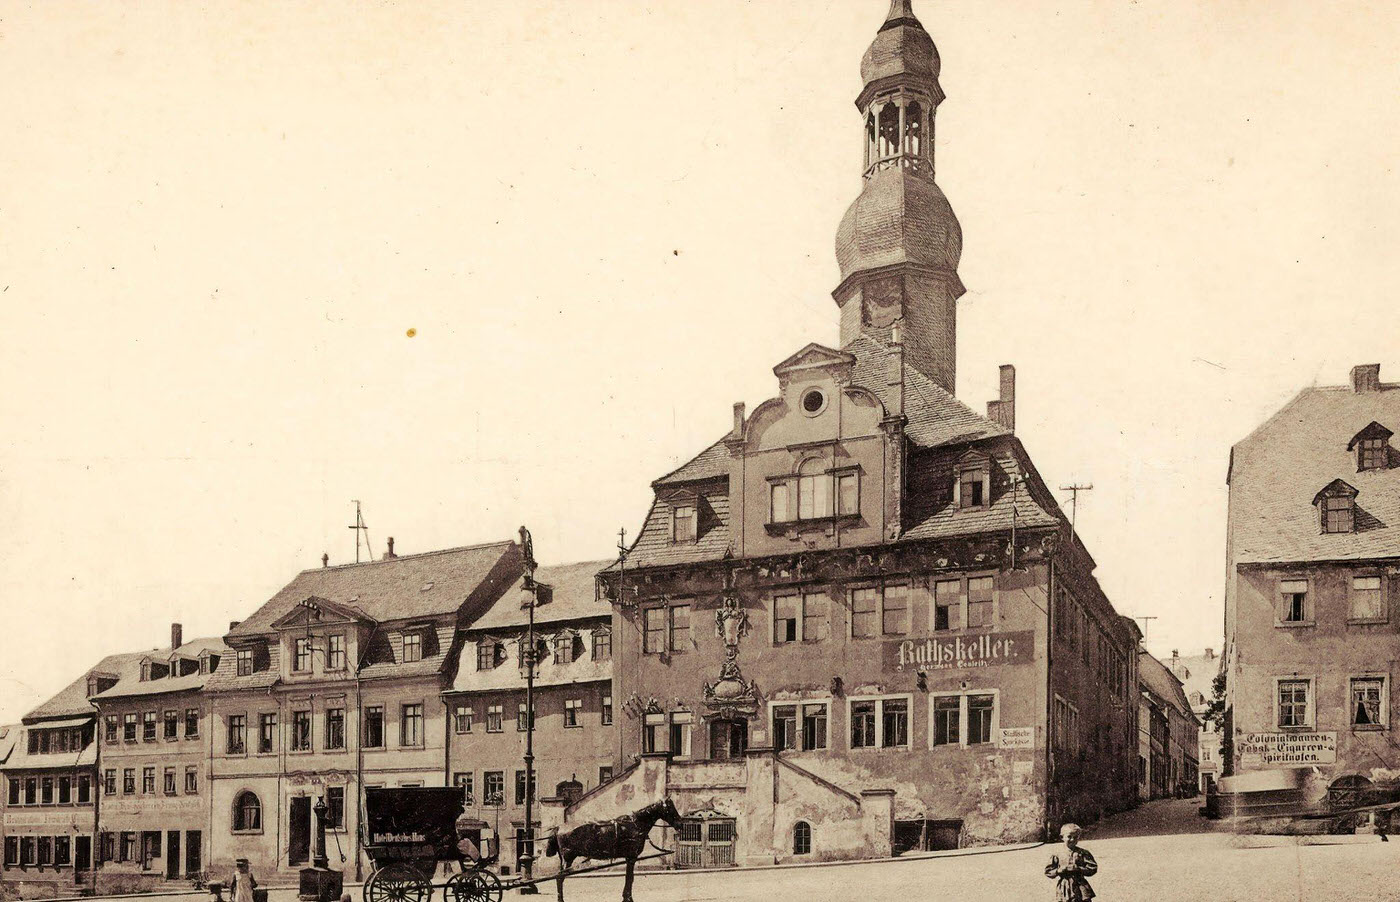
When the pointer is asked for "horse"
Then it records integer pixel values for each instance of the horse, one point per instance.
(622, 837)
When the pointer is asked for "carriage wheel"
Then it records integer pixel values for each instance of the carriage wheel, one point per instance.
(397, 883)
(473, 886)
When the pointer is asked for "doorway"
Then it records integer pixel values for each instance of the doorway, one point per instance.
(728, 739)
(172, 854)
(82, 853)
(194, 853)
(705, 843)
(299, 831)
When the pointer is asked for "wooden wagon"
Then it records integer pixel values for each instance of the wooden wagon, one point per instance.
(409, 831)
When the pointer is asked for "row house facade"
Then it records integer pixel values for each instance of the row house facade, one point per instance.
(152, 771)
(859, 623)
(1197, 674)
(1311, 623)
(1169, 756)
(50, 802)
(575, 739)
(334, 686)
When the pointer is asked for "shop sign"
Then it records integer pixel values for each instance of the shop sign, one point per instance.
(960, 652)
(1287, 749)
(1016, 738)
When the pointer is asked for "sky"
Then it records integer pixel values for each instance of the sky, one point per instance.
(504, 262)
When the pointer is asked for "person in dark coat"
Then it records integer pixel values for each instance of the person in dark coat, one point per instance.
(1071, 875)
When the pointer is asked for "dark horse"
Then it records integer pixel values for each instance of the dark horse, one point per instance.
(622, 837)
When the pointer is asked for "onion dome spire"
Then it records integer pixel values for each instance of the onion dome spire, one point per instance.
(899, 243)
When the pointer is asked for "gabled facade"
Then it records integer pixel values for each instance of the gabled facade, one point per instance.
(335, 685)
(1313, 572)
(1197, 675)
(575, 741)
(859, 623)
(153, 744)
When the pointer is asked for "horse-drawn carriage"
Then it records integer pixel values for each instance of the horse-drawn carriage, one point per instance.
(410, 831)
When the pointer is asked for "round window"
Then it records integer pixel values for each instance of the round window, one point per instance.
(813, 402)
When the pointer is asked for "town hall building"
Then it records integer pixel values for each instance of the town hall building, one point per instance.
(858, 623)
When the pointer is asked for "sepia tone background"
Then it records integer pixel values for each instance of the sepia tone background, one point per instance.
(605, 221)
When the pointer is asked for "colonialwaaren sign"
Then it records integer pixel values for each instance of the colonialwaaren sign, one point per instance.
(957, 652)
(1286, 749)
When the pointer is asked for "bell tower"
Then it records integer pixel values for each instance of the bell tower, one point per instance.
(899, 243)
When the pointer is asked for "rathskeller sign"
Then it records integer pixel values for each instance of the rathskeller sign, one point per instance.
(959, 652)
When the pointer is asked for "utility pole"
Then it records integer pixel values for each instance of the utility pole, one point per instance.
(1074, 489)
(359, 527)
(1144, 620)
(527, 857)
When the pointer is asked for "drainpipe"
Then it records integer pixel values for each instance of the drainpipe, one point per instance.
(359, 774)
(93, 850)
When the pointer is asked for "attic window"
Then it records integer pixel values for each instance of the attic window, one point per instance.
(1372, 447)
(145, 671)
(683, 524)
(1336, 505)
(813, 402)
(974, 482)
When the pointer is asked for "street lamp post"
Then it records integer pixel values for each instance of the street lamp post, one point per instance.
(527, 857)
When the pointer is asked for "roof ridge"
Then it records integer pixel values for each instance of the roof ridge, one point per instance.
(406, 557)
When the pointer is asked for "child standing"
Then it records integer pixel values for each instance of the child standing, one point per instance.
(1070, 876)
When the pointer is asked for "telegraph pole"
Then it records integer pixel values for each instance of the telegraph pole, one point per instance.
(1074, 489)
(1144, 620)
(527, 857)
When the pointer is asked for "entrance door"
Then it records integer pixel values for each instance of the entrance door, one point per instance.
(728, 739)
(194, 853)
(82, 853)
(172, 854)
(705, 843)
(299, 831)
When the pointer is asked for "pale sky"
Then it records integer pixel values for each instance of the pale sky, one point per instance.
(606, 221)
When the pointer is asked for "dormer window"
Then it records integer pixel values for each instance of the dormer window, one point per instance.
(245, 661)
(683, 524)
(1372, 447)
(490, 654)
(412, 646)
(145, 671)
(974, 481)
(1336, 505)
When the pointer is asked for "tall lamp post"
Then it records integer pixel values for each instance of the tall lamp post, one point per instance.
(527, 857)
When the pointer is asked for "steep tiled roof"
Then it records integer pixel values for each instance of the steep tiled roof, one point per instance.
(936, 418)
(708, 464)
(380, 659)
(574, 598)
(1276, 472)
(1158, 679)
(129, 681)
(225, 678)
(654, 546)
(952, 521)
(72, 700)
(402, 588)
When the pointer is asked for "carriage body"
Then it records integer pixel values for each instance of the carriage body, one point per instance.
(408, 832)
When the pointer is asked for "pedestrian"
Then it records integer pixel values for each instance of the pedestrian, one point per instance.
(242, 883)
(1071, 875)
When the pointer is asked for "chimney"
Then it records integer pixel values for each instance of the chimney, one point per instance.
(1003, 410)
(177, 636)
(232, 624)
(1366, 377)
(1175, 657)
(325, 559)
(738, 431)
(1210, 654)
(389, 555)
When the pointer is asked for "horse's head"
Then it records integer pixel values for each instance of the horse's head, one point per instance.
(668, 813)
